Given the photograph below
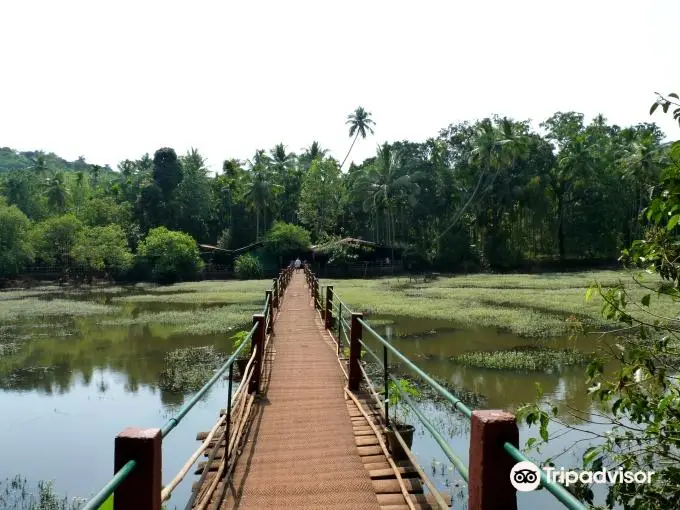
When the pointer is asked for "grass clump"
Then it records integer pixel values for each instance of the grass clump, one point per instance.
(524, 359)
(188, 369)
(16, 495)
(207, 321)
(31, 308)
(545, 305)
(229, 292)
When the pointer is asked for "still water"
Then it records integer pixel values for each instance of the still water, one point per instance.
(74, 384)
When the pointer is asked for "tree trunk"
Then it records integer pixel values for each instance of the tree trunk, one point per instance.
(350, 149)
(560, 227)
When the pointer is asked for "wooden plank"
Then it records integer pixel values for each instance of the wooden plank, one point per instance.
(369, 450)
(392, 486)
(366, 441)
(385, 465)
(361, 433)
(398, 499)
(389, 473)
(417, 506)
(369, 459)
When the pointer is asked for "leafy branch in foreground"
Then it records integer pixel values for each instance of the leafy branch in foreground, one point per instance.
(639, 421)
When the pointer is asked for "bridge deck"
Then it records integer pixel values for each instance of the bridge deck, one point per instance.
(301, 452)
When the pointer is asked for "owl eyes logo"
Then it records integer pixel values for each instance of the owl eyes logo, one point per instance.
(525, 476)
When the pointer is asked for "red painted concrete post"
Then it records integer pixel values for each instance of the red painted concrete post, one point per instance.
(275, 293)
(354, 352)
(329, 307)
(270, 310)
(141, 490)
(257, 342)
(489, 486)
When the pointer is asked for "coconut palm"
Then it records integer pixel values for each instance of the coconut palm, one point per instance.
(260, 188)
(359, 124)
(384, 183)
(57, 194)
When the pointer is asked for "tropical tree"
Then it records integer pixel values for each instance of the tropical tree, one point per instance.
(321, 196)
(360, 123)
(15, 245)
(56, 192)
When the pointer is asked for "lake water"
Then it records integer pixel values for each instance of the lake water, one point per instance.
(74, 384)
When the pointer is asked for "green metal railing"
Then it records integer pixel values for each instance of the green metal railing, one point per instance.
(107, 492)
(557, 490)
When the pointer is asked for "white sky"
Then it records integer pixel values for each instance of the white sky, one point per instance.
(115, 80)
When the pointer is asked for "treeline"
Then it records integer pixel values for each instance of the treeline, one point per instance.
(492, 193)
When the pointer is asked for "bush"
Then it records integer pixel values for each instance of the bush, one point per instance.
(248, 267)
(55, 237)
(286, 240)
(15, 247)
(103, 249)
(170, 255)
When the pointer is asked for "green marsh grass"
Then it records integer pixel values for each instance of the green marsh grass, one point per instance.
(205, 321)
(15, 494)
(188, 369)
(542, 305)
(16, 310)
(524, 359)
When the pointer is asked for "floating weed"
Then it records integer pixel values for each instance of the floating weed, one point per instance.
(524, 358)
(188, 369)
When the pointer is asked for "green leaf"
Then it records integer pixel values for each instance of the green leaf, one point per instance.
(544, 426)
(673, 94)
(673, 222)
(531, 442)
(589, 455)
(645, 299)
(653, 108)
(589, 293)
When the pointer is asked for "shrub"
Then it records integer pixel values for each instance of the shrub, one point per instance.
(55, 237)
(248, 267)
(103, 249)
(287, 240)
(15, 247)
(170, 255)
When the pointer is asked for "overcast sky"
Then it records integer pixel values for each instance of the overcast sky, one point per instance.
(115, 80)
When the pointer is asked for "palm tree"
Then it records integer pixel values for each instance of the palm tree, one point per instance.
(57, 194)
(384, 183)
(260, 189)
(359, 123)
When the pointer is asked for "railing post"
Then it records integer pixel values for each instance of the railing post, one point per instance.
(141, 490)
(355, 352)
(329, 307)
(257, 342)
(270, 310)
(316, 293)
(489, 485)
(275, 293)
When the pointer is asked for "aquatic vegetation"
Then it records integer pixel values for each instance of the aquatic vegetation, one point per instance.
(205, 321)
(15, 494)
(190, 368)
(15, 310)
(526, 358)
(545, 305)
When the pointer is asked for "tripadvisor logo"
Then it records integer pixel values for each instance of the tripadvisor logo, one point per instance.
(526, 476)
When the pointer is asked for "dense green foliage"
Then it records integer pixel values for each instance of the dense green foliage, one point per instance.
(641, 400)
(15, 248)
(170, 255)
(489, 193)
(247, 267)
(287, 240)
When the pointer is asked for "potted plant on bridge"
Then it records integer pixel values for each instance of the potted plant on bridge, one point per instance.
(400, 411)
(243, 358)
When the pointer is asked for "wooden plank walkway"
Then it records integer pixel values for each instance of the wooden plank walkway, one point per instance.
(309, 446)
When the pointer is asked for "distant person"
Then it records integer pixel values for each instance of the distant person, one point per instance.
(297, 263)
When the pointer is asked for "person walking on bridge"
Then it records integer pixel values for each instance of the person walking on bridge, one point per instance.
(297, 263)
